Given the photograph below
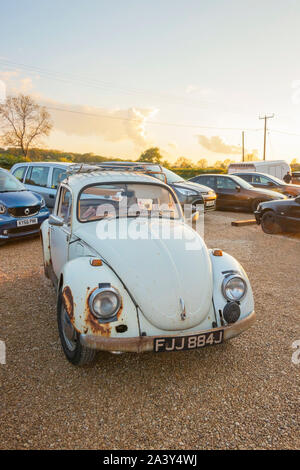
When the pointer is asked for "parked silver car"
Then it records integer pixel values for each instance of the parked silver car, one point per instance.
(41, 177)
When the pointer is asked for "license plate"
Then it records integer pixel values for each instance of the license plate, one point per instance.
(22, 223)
(210, 203)
(181, 343)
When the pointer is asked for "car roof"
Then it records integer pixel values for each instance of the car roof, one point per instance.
(238, 173)
(59, 164)
(213, 174)
(78, 180)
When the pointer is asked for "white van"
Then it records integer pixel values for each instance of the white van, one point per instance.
(278, 168)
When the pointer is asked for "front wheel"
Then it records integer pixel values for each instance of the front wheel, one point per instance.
(269, 223)
(70, 338)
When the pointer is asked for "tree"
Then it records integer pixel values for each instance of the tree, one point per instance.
(202, 163)
(151, 155)
(183, 162)
(24, 122)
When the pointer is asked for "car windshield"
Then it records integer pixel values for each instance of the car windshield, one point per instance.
(121, 200)
(241, 182)
(275, 179)
(172, 177)
(8, 183)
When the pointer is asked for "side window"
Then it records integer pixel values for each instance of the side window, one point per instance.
(225, 183)
(37, 176)
(256, 179)
(57, 176)
(265, 181)
(201, 180)
(19, 172)
(65, 206)
(247, 178)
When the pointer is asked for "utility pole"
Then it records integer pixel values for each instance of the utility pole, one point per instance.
(243, 145)
(265, 130)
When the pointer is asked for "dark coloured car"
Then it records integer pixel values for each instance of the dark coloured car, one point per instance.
(21, 211)
(186, 191)
(264, 181)
(235, 193)
(279, 216)
(296, 177)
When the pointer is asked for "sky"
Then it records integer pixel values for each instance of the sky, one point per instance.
(184, 75)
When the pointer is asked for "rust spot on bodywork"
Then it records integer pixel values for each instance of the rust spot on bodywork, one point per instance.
(104, 329)
(68, 302)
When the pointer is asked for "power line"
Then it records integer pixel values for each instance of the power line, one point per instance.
(161, 123)
(100, 84)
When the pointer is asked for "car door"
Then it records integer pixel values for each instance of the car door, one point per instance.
(228, 194)
(293, 214)
(60, 235)
(37, 180)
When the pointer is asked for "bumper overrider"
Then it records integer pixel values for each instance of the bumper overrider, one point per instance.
(156, 343)
(10, 230)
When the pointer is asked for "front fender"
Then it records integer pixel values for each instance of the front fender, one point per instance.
(80, 279)
(221, 265)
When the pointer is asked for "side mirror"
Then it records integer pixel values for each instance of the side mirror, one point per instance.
(238, 188)
(55, 220)
(270, 183)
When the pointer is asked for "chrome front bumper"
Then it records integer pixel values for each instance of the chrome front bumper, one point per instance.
(146, 343)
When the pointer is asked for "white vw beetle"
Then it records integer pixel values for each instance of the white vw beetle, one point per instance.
(132, 275)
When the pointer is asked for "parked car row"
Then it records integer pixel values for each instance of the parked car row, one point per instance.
(23, 203)
(234, 192)
(44, 178)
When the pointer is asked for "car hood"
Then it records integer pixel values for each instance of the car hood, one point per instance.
(281, 205)
(19, 199)
(268, 192)
(200, 188)
(158, 272)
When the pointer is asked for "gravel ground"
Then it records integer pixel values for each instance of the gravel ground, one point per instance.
(243, 394)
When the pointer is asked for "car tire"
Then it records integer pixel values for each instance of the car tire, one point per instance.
(269, 224)
(255, 204)
(75, 352)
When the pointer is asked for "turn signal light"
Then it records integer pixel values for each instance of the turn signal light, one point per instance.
(96, 262)
(218, 253)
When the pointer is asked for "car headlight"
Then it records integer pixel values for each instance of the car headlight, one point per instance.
(2, 209)
(105, 302)
(208, 193)
(186, 192)
(234, 288)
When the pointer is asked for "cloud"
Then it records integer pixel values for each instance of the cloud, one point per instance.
(172, 145)
(111, 125)
(217, 145)
(197, 90)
